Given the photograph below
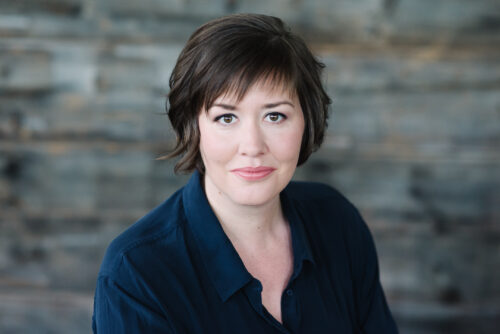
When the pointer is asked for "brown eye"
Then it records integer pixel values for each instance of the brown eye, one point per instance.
(225, 119)
(275, 117)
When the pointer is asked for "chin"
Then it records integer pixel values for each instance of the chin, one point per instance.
(258, 193)
(252, 199)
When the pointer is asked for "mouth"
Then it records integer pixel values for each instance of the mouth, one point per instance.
(253, 173)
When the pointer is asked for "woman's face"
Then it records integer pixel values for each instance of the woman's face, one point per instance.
(251, 148)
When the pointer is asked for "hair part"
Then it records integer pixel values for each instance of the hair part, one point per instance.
(229, 55)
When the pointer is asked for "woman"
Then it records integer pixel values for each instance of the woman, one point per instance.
(240, 248)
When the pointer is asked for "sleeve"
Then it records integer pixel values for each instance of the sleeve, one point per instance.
(117, 310)
(374, 315)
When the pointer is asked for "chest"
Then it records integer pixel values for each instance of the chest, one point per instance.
(273, 270)
(195, 305)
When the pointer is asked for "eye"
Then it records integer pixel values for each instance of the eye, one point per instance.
(275, 117)
(225, 119)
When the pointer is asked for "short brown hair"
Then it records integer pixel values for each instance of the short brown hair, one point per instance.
(230, 54)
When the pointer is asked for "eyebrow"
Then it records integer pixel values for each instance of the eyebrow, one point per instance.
(273, 105)
(266, 106)
(224, 106)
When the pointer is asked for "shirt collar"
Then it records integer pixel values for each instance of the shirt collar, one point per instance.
(300, 242)
(222, 262)
(224, 266)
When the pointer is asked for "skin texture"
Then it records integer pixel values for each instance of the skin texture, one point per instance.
(264, 128)
(250, 135)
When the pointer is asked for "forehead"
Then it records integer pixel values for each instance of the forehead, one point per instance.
(267, 88)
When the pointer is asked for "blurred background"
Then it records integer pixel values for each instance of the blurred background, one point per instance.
(413, 142)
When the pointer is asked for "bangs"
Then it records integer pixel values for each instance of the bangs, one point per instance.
(263, 63)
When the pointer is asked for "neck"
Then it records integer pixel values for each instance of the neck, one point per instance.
(253, 227)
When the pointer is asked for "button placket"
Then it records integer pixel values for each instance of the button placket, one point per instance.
(289, 309)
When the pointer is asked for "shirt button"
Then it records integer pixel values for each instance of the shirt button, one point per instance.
(289, 292)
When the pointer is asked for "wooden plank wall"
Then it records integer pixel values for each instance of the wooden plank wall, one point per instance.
(413, 141)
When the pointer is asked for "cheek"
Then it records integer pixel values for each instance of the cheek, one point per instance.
(287, 145)
(213, 148)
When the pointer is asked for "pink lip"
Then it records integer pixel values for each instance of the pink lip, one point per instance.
(253, 173)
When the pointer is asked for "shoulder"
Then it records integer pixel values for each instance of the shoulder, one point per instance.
(326, 208)
(160, 224)
(317, 194)
(333, 221)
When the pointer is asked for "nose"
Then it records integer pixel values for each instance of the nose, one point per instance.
(252, 140)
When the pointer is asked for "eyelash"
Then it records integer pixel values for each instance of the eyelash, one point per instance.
(220, 117)
(282, 116)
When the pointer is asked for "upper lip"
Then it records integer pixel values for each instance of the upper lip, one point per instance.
(253, 169)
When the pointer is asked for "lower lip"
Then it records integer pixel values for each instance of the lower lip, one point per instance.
(253, 176)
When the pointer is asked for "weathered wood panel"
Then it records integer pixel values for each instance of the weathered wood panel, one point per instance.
(413, 143)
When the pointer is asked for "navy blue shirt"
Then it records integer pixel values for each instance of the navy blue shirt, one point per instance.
(176, 271)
